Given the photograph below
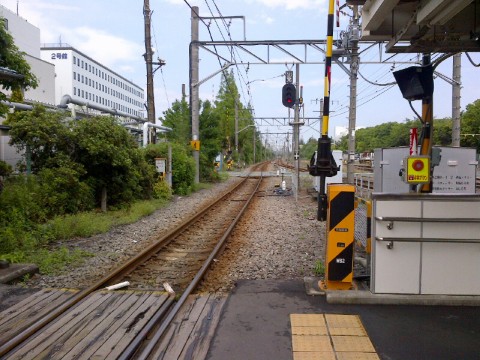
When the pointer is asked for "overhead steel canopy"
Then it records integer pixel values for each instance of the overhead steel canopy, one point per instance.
(422, 25)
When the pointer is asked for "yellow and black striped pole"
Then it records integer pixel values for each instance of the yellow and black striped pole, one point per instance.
(328, 70)
(326, 166)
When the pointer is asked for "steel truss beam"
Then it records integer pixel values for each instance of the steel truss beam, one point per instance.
(310, 51)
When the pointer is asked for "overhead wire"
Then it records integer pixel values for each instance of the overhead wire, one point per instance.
(161, 70)
(233, 50)
(210, 34)
(471, 60)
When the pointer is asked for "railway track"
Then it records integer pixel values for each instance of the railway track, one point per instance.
(180, 258)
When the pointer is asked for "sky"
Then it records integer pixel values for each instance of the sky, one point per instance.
(112, 32)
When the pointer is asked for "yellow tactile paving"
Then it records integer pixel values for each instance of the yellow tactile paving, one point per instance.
(309, 330)
(309, 355)
(330, 336)
(357, 331)
(311, 343)
(357, 356)
(352, 343)
(343, 321)
(307, 320)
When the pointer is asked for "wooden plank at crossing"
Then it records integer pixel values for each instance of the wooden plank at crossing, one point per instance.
(192, 330)
(61, 329)
(101, 326)
(105, 323)
(18, 317)
(131, 327)
(180, 329)
(198, 344)
(107, 335)
(83, 338)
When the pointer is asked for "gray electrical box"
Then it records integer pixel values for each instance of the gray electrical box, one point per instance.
(455, 173)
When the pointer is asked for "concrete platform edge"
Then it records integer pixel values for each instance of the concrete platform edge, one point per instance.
(367, 298)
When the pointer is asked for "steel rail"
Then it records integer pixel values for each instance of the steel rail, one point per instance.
(23, 334)
(134, 346)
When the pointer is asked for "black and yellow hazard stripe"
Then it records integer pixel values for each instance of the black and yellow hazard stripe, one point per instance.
(328, 69)
(340, 236)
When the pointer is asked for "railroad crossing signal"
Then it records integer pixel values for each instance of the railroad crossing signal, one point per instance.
(289, 94)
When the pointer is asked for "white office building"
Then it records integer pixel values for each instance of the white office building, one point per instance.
(62, 70)
(27, 38)
(88, 81)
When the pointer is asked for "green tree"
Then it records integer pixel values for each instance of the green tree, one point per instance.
(442, 132)
(178, 119)
(227, 104)
(307, 150)
(183, 165)
(13, 59)
(211, 142)
(43, 134)
(112, 160)
(470, 125)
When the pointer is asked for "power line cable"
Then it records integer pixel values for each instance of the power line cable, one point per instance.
(471, 60)
(375, 83)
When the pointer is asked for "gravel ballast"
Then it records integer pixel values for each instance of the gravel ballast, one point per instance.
(279, 238)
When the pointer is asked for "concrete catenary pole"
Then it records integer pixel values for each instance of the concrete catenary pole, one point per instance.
(296, 130)
(194, 79)
(148, 60)
(456, 89)
(236, 126)
(352, 115)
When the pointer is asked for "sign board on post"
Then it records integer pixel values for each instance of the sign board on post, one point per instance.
(195, 144)
(161, 166)
(413, 141)
(418, 169)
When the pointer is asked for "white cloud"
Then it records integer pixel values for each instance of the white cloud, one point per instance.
(268, 19)
(103, 47)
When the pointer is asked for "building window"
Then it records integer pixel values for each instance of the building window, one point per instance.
(74, 91)
(74, 75)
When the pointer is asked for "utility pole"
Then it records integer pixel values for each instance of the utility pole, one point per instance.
(236, 126)
(427, 130)
(148, 60)
(456, 88)
(352, 115)
(296, 129)
(254, 146)
(194, 101)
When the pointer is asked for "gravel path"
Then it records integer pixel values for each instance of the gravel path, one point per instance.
(279, 239)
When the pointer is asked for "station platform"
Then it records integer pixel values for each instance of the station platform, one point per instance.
(276, 319)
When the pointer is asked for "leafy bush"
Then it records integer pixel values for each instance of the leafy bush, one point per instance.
(112, 160)
(62, 191)
(161, 190)
(183, 165)
(5, 169)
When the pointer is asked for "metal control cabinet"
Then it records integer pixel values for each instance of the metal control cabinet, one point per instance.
(337, 179)
(426, 244)
(455, 173)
